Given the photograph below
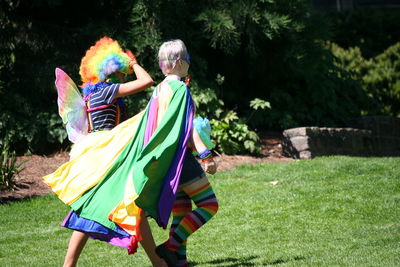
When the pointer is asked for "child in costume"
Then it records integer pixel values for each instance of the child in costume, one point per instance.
(100, 110)
(193, 184)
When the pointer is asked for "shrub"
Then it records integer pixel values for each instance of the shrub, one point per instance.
(370, 29)
(379, 76)
(41, 133)
(258, 117)
(230, 133)
(9, 168)
(232, 136)
(32, 45)
(240, 49)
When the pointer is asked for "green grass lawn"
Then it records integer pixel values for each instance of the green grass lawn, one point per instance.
(330, 211)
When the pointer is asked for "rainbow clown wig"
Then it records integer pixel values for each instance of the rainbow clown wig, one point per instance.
(103, 59)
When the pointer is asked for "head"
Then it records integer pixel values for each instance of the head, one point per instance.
(104, 59)
(173, 58)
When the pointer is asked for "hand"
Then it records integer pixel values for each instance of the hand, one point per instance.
(130, 54)
(131, 63)
(132, 60)
(210, 166)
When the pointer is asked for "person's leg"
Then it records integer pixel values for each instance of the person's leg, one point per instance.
(75, 247)
(148, 243)
(202, 194)
(182, 206)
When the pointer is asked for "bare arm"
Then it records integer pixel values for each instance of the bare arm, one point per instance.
(143, 81)
(210, 166)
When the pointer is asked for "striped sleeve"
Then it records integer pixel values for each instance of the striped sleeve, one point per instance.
(109, 92)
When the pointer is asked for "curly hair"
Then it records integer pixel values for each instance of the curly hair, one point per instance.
(103, 59)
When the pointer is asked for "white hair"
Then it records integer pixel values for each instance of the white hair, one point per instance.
(169, 54)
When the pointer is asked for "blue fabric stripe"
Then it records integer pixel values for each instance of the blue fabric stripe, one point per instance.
(75, 222)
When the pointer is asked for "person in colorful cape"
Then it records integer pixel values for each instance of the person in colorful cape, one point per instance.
(194, 186)
(102, 70)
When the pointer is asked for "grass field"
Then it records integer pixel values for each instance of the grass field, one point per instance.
(329, 211)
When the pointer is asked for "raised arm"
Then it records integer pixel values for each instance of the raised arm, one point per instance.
(143, 81)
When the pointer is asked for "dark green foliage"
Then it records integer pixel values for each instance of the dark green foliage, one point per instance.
(371, 29)
(232, 136)
(262, 49)
(155, 22)
(379, 76)
(246, 50)
(9, 168)
(241, 50)
(258, 116)
(37, 37)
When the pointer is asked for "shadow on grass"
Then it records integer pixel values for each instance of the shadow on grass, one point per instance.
(235, 262)
(11, 199)
(281, 261)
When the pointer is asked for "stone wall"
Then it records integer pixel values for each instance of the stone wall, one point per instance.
(368, 136)
(310, 142)
(385, 131)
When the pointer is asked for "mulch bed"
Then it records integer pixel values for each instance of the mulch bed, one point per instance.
(29, 184)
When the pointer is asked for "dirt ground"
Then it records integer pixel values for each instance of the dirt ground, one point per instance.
(29, 183)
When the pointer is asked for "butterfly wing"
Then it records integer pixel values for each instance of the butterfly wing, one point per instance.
(71, 107)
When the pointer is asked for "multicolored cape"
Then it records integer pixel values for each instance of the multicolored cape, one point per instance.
(114, 175)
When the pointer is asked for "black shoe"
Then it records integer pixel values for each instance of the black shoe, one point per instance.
(167, 255)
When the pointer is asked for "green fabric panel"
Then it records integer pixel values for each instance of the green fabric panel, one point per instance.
(161, 150)
(153, 161)
(92, 204)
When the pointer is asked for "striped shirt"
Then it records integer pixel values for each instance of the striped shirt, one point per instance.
(104, 118)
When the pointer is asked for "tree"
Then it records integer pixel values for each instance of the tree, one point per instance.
(266, 49)
(38, 36)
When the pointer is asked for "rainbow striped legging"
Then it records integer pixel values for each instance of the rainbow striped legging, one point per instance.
(185, 220)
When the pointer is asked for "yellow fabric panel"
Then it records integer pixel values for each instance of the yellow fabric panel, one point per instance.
(91, 159)
(164, 97)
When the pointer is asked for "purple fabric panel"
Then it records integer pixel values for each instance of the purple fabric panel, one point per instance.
(94, 230)
(121, 242)
(150, 121)
(171, 181)
(66, 219)
(124, 242)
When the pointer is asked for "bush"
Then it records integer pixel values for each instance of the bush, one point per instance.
(32, 45)
(371, 29)
(9, 169)
(260, 112)
(241, 50)
(41, 133)
(232, 136)
(379, 76)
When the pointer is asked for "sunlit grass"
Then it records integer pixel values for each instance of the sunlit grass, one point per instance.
(330, 211)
